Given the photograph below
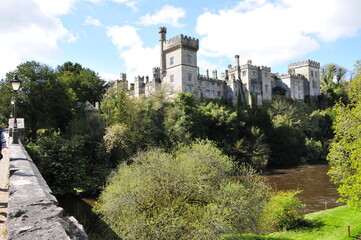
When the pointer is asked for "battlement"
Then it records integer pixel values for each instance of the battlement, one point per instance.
(204, 78)
(266, 69)
(297, 76)
(182, 41)
(250, 66)
(304, 63)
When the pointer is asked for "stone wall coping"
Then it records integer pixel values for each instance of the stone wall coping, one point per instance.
(33, 211)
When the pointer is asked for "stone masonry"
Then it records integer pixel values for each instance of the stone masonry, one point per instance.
(248, 83)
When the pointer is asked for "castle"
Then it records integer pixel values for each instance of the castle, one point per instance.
(251, 84)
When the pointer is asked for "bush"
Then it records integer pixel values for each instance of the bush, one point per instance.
(66, 163)
(283, 212)
(184, 195)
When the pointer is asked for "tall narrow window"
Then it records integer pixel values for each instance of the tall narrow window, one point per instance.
(190, 88)
(189, 59)
(189, 77)
(311, 73)
(171, 61)
(244, 73)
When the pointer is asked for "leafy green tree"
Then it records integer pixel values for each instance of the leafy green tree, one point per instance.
(44, 101)
(85, 83)
(333, 84)
(187, 194)
(345, 152)
(65, 164)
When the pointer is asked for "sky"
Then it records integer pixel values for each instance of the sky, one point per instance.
(115, 36)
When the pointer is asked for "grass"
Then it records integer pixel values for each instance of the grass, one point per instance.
(330, 224)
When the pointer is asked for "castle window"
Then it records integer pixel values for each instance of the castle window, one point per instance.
(316, 74)
(207, 84)
(266, 88)
(208, 93)
(189, 59)
(190, 88)
(172, 78)
(299, 88)
(189, 77)
(171, 61)
(244, 73)
(200, 92)
(313, 84)
(311, 73)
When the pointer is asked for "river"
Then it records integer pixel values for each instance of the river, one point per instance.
(317, 193)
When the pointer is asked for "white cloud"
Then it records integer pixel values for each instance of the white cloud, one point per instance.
(274, 32)
(55, 7)
(32, 32)
(138, 59)
(109, 76)
(128, 3)
(92, 21)
(167, 15)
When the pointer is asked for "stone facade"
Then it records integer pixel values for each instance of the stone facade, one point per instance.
(251, 84)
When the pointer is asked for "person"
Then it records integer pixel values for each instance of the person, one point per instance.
(3, 141)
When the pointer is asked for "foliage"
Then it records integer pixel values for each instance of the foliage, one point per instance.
(345, 151)
(63, 163)
(282, 212)
(184, 195)
(333, 86)
(39, 95)
(85, 83)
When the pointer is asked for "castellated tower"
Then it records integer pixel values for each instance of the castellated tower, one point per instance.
(179, 58)
(311, 71)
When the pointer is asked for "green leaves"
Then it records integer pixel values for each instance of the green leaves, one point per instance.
(345, 151)
(183, 195)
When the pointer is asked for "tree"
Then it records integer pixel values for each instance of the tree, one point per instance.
(332, 84)
(187, 194)
(345, 152)
(45, 102)
(85, 83)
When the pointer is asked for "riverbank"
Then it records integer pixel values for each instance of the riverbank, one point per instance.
(331, 224)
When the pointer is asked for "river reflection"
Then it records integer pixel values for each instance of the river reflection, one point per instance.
(317, 189)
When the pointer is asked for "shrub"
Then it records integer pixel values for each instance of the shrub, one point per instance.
(184, 195)
(283, 212)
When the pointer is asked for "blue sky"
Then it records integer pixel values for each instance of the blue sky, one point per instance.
(114, 36)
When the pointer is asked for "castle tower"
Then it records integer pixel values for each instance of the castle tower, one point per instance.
(180, 59)
(139, 86)
(311, 71)
(162, 35)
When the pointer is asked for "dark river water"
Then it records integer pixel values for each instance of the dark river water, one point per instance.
(318, 192)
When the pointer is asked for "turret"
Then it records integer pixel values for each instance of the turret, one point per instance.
(162, 35)
(238, 67)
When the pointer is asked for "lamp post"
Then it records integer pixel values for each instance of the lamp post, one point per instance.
(15, 84)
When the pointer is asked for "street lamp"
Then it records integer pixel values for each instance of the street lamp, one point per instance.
(15, 84)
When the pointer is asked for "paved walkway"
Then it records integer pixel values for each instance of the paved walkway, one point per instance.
(4, 193)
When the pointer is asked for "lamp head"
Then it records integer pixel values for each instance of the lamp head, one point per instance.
(15, 83)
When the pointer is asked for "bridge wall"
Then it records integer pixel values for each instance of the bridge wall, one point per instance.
(33, 211)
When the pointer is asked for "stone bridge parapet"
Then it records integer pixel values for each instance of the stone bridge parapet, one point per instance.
(33, 211)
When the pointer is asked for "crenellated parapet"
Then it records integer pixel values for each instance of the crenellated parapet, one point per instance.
(291, 75)
(304, 63)
(181, 41)
(264, 68)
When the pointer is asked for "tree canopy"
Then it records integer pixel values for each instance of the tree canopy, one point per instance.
(345, 152)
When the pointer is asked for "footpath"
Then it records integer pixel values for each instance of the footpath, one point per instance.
(4, 190)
